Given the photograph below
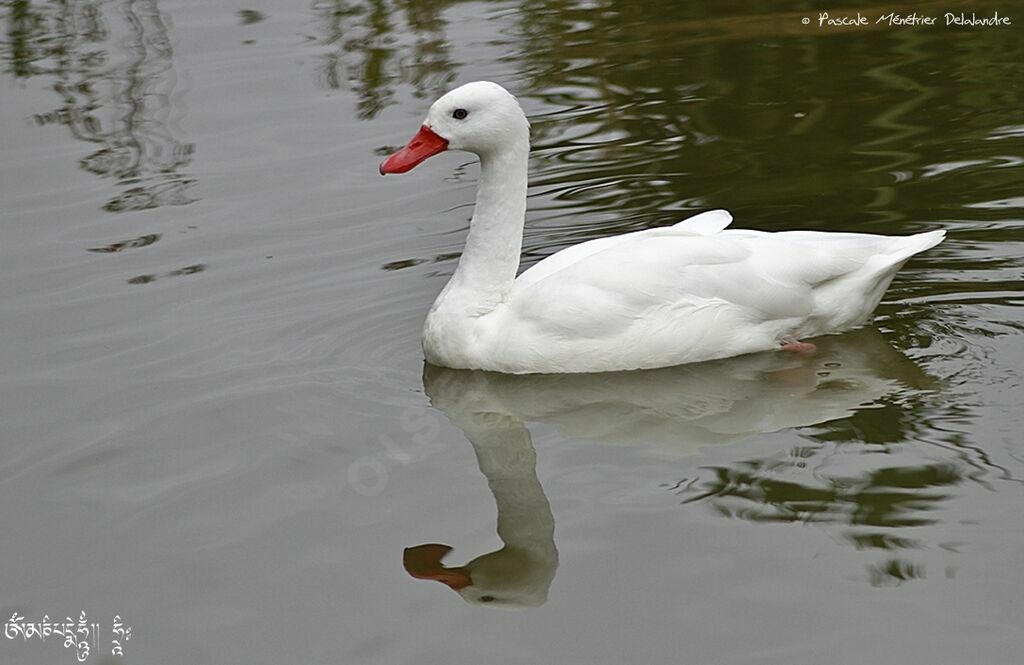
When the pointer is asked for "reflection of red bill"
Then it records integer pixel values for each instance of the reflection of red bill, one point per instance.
(424, 563)
(425, 144)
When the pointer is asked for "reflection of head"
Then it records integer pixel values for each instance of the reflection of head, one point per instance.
(519, 573)
(508, 577)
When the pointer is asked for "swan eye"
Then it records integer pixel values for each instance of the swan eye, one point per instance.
(487, 599)
(460, 114)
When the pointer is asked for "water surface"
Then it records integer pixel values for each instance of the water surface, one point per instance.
(216, 421)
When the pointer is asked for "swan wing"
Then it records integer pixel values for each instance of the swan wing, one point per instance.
(705, 223)
(698, 292)
(655, 279)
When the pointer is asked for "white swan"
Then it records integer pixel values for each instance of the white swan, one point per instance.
(656, 298)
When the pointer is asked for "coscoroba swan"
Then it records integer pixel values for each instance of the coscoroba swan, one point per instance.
(665, 296)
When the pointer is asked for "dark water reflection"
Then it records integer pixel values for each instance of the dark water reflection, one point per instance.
(377, 46)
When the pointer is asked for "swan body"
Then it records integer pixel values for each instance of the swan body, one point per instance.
(686, 293)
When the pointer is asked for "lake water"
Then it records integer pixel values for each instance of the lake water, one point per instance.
(216, 424)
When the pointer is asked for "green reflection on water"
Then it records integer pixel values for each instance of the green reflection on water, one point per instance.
(369, 55)
(886, 497)
(651, 110)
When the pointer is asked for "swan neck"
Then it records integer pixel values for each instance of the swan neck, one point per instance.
(490, 259)
(506, 456)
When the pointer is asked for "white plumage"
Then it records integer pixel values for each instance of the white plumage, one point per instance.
(686, 293)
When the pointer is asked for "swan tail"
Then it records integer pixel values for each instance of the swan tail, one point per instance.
(884, 265)
(916, 244)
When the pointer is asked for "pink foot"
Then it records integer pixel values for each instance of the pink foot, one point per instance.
(800, 348)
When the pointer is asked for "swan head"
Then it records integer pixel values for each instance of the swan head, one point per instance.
(480, 117)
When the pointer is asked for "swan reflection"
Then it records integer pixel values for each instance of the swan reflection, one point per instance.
(519, 573)
(677, 409)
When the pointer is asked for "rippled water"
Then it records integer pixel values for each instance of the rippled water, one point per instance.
(216, 423)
